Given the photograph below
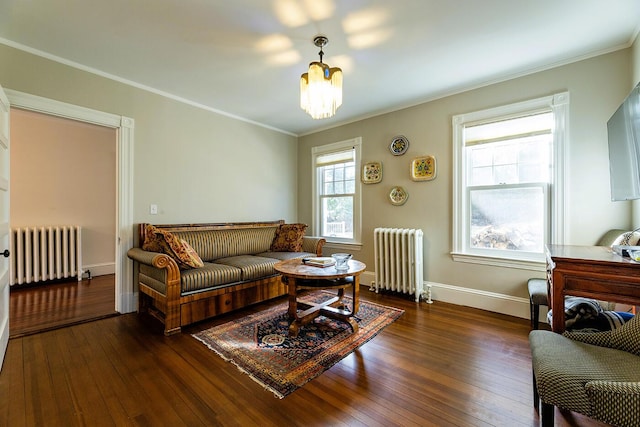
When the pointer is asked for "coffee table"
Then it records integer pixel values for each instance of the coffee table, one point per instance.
(299, 276)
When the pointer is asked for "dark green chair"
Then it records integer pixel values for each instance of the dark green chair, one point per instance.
(594, 374)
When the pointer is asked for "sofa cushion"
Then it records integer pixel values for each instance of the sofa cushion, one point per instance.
(165, 242)
(288, 238)
(215, 244)
(283, 256)
(208, 277)
(252, 267)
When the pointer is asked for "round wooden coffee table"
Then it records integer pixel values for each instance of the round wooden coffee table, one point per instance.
(299, 276)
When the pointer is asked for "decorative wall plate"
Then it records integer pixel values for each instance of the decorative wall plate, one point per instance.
(372, 173)
(399, 145)
(423, 168)
(398, 196)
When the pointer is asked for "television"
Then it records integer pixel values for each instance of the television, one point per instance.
(623, 131)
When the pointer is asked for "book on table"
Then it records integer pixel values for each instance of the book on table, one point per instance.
(322, 261)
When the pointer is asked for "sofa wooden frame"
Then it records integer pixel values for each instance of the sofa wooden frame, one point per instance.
(176, 310)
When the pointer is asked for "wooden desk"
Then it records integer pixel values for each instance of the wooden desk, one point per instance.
(299, 276)
(592, 272)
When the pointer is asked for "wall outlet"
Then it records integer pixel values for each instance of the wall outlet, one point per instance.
(153, 209)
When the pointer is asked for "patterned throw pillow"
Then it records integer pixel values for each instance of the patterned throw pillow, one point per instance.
(158, 240)
(288, 238)
(630, 238)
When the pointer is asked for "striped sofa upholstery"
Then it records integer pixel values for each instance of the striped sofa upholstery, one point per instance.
(236, 258)
(595, 374)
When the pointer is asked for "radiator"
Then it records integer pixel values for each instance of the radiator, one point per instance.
(45, 253)
(399, 262)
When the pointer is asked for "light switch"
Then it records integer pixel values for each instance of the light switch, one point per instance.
(153, 209)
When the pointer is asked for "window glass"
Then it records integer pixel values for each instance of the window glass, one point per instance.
(507, 180)
(337, 199)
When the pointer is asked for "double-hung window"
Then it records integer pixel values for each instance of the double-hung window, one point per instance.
(337, 191)
(508, 181)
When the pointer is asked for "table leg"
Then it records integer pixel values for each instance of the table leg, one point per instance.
(557, 303)
(356, 295)
(293, 298)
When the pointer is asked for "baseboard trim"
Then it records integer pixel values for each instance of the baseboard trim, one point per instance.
(100, 269)
(484, 300)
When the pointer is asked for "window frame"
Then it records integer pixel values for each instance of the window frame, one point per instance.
(356, 144)
(558, 104)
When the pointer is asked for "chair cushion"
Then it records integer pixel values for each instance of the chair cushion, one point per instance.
(538, 291)
(563, 367)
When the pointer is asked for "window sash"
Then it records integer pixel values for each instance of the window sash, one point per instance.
(348, 151)
(558, 104)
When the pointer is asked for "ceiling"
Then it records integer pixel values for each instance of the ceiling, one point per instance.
(244, 58)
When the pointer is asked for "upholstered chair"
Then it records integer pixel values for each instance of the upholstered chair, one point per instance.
(594, 374)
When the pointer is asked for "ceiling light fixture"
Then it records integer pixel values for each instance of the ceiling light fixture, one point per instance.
(321, 86)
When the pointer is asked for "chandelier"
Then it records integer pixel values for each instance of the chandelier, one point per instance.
(321, 86)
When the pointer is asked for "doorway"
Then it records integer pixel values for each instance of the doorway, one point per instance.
(125, 297)
(63, 172)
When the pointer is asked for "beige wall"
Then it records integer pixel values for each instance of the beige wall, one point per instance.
(635, 58)
(596, 87)
(200, 166)
(63, 172)
(196, 165)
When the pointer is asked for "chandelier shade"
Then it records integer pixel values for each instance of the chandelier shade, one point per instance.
(321, 87)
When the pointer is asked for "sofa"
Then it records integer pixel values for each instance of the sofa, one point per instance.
(191, 272)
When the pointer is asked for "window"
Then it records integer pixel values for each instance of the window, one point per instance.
(508, 182)
(337, 191)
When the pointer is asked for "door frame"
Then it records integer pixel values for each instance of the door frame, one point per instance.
(125, 294)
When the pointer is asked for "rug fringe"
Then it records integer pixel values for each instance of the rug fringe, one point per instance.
(229, 359)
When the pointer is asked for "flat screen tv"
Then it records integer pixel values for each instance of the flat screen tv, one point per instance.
(623, 129)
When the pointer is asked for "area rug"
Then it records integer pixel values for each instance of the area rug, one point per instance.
(260, 346)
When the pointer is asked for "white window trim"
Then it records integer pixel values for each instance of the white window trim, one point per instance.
(559, 104)
(356, 143)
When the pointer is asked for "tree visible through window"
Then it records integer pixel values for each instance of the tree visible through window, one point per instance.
(508, 165)
(337, 191)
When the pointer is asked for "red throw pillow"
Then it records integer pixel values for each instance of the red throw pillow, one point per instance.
(158, 240)
(288, 238)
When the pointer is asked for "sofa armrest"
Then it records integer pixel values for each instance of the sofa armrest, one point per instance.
(154, 259)
(157, 260)
(313, 244)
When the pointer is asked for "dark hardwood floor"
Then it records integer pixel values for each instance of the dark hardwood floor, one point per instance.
(40, 308)
(438, 365)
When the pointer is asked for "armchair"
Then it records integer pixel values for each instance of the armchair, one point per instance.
(595, 374)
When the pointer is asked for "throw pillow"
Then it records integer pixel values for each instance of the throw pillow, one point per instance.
(288, 238)
(165, 242)
(630, 238)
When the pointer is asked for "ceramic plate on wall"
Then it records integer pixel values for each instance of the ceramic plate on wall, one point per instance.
(423, 168)
(372, 173)
(399, 145)
(398, 196)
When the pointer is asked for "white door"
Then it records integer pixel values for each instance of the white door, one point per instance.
(4, 224)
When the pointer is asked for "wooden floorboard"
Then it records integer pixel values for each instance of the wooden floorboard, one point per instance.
(49, 306)
(438, 365)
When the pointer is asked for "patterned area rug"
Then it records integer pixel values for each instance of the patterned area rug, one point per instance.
(260, 346)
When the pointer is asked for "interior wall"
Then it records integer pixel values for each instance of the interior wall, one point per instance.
(194, 164)
(635, 66)
(63, 172)
(596, 86)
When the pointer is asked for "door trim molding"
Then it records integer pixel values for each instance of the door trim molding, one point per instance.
(125, 295)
